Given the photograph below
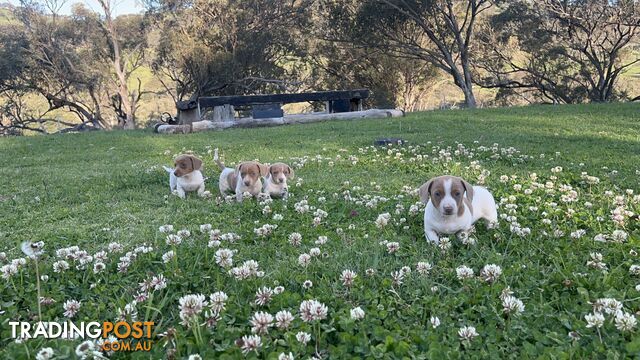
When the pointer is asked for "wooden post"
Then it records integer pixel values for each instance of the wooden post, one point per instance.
(188, 112)
(223, 113)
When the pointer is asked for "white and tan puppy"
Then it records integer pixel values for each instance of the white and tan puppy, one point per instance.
(186, 176)
(275, 183)
(453, 206)
(244, 178)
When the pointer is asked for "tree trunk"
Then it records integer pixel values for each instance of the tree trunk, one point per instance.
(123, 88)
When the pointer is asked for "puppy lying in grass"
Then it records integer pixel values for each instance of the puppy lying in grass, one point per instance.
(246, 177)
(186, 176)
(275, 183)
(453, 206)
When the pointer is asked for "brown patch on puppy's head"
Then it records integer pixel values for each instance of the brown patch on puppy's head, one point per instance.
(280, 172)
(185, 164)
(250, 172)
(425, 191)
(446, 193)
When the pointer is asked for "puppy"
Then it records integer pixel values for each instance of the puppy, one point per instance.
(275, 183)
(453, 206)
(186, 176)
(244, 178)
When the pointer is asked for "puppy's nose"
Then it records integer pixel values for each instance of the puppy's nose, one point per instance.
(175, 173)
(247, 182)
(448, 210)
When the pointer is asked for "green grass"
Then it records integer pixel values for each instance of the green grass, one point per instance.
(94, 188)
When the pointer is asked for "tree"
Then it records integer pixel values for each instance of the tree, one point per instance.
(567, 51)
(218, 47)
(439, 32)
(52, 59)
(126, 53)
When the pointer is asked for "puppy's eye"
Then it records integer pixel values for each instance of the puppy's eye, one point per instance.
(457, 193)
(437, 193)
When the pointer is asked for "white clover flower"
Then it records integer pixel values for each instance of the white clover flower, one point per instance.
(594, 320)
(397, 277)
(303, 337)
(98, 267)
(295, 239)
(608, 305)
(464, 272)
(444, 244)
(625, 321)
(173, 239)
(467, 333)
(250, 343)
(71, 308)
(370, 272)
(490, 273)
(205, 228)
(314, 252)
(265, 231)
(392, 247)
(168, 256)
(31, 249)
(435, 321)
(619, 236)
(263, 296)
(383, 220)
(600, 238)
(284, 356)
(512, 305)
(261, 322)
(423, 268)
(86, 349)
(45, 354)
(194, 357)
(184, 233)
(224, 257)
(165, 229)
(304, 260)
(217, 300)
(357, 313)
(322, 240)
(347, 277)
(312, 310)
(596, 261)
(284, 319)
(634, 269)
(190, 307)
(307, 284)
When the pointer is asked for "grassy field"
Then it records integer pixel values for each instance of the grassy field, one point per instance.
(91, 190)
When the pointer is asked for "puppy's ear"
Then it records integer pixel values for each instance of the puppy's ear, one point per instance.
(425, 191)
(263, 169)
(290, 174)
(239, 167)
(196, 162)
(468, 189)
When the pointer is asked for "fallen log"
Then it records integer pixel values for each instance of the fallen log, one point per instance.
(286, 120)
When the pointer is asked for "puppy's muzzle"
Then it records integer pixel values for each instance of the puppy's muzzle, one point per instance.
(448, 210)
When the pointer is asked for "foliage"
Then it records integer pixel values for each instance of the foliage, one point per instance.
(567, 51)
